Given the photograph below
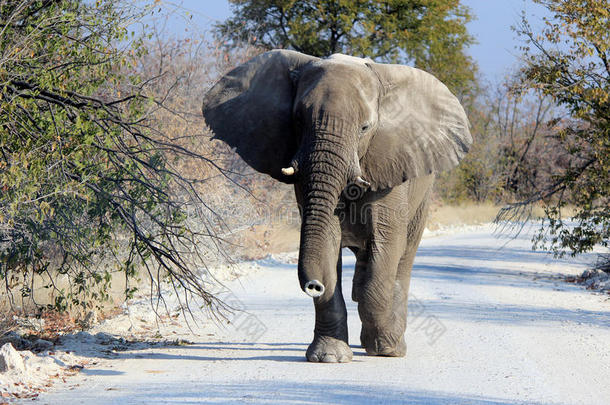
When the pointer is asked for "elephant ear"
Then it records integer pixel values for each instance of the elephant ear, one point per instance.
(250, 109)
(422, 128)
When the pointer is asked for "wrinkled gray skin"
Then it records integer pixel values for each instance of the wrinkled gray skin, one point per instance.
(363, 140)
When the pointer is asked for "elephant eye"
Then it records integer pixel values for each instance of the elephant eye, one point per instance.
(365, 128)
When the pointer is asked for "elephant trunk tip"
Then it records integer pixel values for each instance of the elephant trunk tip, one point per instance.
(314, 288)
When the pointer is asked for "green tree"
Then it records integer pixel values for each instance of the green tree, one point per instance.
(568, 60)
(431, 35)
(87, 186)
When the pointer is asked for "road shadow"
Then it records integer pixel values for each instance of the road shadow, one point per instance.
(484, 275)
(514, 314)
(497, 254)
(213, 351)
(287, 392)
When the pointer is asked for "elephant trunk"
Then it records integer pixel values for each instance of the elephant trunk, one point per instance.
(324, 171)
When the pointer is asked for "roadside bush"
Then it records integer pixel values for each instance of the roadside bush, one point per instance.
(89, 182)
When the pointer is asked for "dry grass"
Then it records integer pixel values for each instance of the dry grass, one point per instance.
(41, 298)
(442, 215)
(464, 214)
(260, 240)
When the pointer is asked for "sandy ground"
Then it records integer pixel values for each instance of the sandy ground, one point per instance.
(490, 322)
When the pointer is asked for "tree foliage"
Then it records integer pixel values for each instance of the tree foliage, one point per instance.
(87, 186)
(513, 155)
(569, 61)
(431, 35)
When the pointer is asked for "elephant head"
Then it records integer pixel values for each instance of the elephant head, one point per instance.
(326, 123)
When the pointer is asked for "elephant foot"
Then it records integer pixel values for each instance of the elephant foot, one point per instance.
(380, 345)
(326, 349)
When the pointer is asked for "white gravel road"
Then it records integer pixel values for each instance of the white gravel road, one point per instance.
(489, 323)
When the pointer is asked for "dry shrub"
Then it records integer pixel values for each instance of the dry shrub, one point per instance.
(243, 208)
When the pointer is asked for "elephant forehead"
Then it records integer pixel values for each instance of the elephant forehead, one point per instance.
(349, 68)
(339, 84)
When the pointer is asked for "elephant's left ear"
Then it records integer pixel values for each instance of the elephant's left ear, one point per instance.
(422, 128)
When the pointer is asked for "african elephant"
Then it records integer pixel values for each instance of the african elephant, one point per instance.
(361, 142)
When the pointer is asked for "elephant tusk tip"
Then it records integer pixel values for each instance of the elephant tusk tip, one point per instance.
(288, 171)
(361, 182)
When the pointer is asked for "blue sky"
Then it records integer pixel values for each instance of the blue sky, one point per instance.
(495, 51)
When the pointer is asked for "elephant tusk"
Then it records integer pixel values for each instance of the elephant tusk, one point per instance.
(362, 183)
(288, 171)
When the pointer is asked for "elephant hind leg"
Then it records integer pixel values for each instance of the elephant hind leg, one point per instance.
(359, 280)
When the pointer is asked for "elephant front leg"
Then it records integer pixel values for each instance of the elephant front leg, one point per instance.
(383, 311)
(383, 306)
(330, 343)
